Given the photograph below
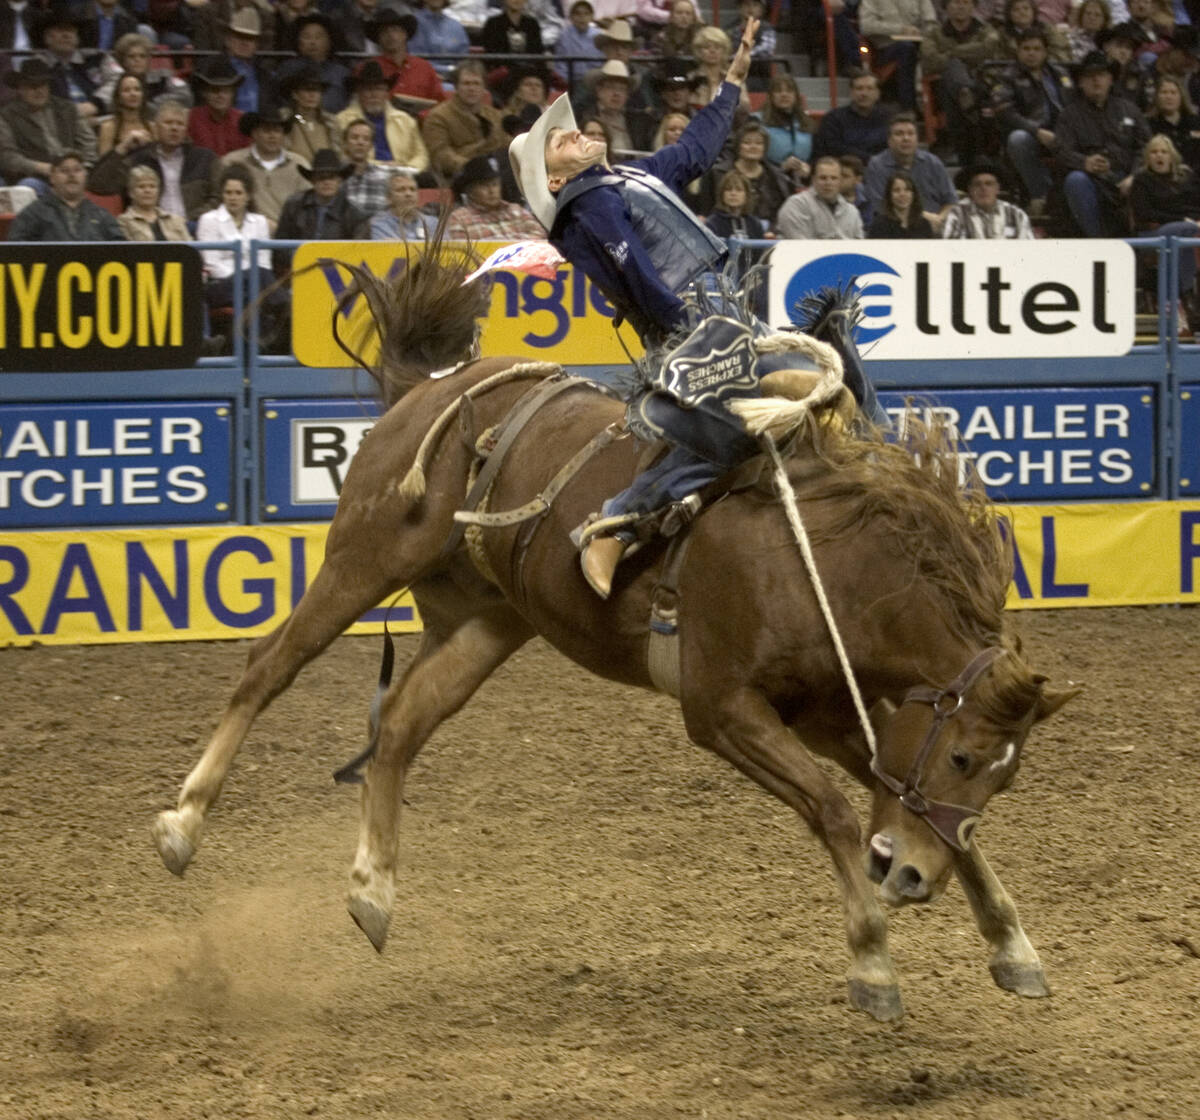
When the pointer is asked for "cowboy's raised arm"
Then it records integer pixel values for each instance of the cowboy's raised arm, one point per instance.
(740, 66)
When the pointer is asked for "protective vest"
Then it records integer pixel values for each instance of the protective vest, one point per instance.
(680, 246)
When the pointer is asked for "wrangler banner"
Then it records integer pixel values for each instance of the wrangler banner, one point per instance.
(154, 585)
(563, 320)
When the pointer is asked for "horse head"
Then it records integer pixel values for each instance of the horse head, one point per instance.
(940, 756)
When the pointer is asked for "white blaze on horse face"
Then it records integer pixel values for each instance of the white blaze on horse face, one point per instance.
(1010, 749)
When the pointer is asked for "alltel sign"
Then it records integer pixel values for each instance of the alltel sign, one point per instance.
(970, 299)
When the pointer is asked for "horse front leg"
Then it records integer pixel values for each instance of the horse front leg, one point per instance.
(335, 599)
(745, 730)
(441, 679)
(1014, 962)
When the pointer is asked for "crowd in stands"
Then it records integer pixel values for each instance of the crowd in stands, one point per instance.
(302, 119)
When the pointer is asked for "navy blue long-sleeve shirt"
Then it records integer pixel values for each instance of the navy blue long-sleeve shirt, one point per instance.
(595, 232)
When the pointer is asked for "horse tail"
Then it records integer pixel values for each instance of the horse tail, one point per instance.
(831, 316)
(423, 318)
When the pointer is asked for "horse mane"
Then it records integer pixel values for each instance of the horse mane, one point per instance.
(947, 529)
(423, 319)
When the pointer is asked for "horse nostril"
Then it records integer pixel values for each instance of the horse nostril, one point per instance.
(879, 862)
(909, 882)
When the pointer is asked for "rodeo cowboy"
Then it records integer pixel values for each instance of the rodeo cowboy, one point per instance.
(628, 230)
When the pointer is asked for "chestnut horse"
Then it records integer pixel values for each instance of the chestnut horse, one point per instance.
(914, 570)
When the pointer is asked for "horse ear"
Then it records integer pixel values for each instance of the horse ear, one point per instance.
(1051, 699)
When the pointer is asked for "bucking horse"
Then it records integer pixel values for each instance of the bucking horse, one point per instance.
(840, 595)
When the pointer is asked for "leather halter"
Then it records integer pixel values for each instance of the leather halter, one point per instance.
(955, 824)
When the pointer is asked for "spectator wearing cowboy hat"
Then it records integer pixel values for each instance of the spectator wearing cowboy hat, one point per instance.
(484, 215)
(409, 77)
(632, 129)
(984, 214)
(1130, 80)
(1100, 135)
(275, 172)
(439, 32)
(465, 126)
(71, 75)
(312, 129)
(353, 17)
(578, 40)
(397, 137)
(672, 84)
(213, 124)
(316, 39)
(525, 93)
(243, 37)
(36, 127)
(322, 212)
(63, 213)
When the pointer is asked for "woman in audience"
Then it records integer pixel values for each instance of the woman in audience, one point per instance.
(729, 218)
(767, 187)
(902, 213)
(130, 125)
(131, 54)
(670, 128)
(1166, 203)
(789, 129)
(711, 49)
(144, 219)
(1174, 116)
(1086, 22)
(674, 40)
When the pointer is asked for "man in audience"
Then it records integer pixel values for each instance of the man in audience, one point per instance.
(953, 52)
(407, 75)
(105, 21)
(438, 32)
(616, 43)
(673, 87)
(36, 127)
(184, 169)
(858, 129)
(894, 28)
(853, 171)
(484, 215)
(243, 34)
(366, 185)
(928, 172)
(275, 171)
(321, 213)
(820, 213)
(213, 124)
(1027, 103)
(71, 75)
(984, 214)
(578, 40)
(1100, 137)
(402, 220)
(465, 126)
(397, 139)
(631, 130)
(63, 213)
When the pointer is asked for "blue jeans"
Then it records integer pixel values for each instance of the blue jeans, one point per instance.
(1025, 152)
(1083, 200)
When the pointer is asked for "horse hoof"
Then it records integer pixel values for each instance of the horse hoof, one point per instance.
(173, 846)
(880, 1001)
(371, 918)
(1025, 979)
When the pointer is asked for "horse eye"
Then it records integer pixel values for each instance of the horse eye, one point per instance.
(960, 760)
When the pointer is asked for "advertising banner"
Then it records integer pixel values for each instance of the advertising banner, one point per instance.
(203, 582)
(307, 447)
(1039, 444)
(162, 585)
(562, 320)
(1189, 439)
(81, 308)
(132, 462)
(947, 299)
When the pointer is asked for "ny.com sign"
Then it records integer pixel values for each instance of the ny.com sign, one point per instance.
(969, 299)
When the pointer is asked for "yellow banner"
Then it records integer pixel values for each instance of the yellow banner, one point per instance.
(172, 584)
(566, 320)
(162, 585)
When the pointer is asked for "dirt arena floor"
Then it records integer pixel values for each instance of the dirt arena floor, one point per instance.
(594, 919)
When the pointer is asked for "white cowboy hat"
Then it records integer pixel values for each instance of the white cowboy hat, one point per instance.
(614, 69)
(527, 154)
(618, 31)
(247, 22)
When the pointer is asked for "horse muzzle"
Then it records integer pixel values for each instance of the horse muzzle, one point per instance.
(899, 883)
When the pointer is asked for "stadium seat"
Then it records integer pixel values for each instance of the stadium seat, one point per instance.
(110, 202)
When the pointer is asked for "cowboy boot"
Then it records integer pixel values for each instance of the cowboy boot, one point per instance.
(599, 561)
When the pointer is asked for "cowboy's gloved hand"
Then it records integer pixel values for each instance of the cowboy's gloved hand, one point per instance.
(740, 66)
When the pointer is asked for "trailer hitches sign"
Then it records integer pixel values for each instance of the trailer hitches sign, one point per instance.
(970, 299)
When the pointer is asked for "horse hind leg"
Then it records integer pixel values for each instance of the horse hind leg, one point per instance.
(336, 598)
(442, 677)
(1014, 963)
